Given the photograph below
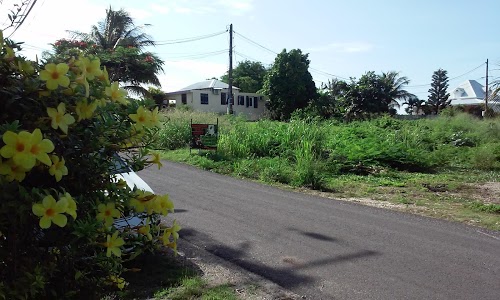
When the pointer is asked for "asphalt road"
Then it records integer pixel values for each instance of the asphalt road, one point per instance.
(327, 249)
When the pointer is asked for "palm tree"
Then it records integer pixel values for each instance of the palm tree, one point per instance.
(117, 29)
(393, 88)
(120, 46)
(414, 105)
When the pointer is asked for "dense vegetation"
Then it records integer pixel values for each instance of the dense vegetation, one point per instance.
(303, 151)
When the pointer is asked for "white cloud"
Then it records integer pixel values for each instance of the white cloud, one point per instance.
(349, 47)
(162, 9)
(49, 20)
(139, 14)
(235, 7)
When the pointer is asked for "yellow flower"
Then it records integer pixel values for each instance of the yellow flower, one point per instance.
(60, 119)
(90, 68)
(154, 121)
(120, 282)
(113, 243)
(143, 200)
(163, 205)
(12, 171)
(84, 110)
(26, 148)
(157, 160)
(171, 231)
(116, 93)
(58, 168)
(104, 76)
(142, 118)
(71, 208)
(55, 75)
(51, 211)
(145, 230)
(107, 213)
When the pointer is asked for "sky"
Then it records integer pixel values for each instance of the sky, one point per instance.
(343, 38)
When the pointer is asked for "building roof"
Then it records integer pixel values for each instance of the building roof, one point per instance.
(471, 92)
(207, 84)
(467, 93)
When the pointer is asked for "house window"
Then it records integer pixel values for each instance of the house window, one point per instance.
(250, 101)
(223, 100)
(204, 98)
(241, 100)
(256, 102)
(184, 99)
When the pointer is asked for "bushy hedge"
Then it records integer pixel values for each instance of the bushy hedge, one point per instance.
(61, 126)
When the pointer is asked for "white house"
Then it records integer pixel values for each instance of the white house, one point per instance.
(212, 95)
(471, 94)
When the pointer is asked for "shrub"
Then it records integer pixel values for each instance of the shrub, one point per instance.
(61, 125)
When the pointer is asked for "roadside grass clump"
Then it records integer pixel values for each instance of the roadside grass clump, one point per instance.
(197, 288)
(485, 207)
(361, 146)
(486, 157)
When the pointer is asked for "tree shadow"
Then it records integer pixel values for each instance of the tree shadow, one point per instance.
(315, 235)
(180, 210)
(288, 276)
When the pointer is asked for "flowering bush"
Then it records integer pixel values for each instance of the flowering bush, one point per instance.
(61, 124)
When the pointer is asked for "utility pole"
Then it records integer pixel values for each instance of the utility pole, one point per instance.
(486, 92)
(230, 73)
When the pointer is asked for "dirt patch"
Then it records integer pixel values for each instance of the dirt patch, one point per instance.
(488, 192)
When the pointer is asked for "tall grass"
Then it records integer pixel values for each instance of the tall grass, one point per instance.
(304, 152)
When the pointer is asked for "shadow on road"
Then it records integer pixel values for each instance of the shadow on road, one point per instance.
(314, 235)
(288, 276)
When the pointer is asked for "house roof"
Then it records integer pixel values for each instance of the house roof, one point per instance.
(207, 84)
(467, 93)
(471, 92)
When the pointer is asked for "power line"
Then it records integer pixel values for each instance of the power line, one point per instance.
(250, 58)
(450, 79)
(188, 55)
(271, 51)
(255, 43)
(190, 39)
(200, 57)
(326, 73)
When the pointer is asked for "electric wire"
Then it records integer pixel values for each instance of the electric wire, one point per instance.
(188, 40)
(271, 51)
(449, 79)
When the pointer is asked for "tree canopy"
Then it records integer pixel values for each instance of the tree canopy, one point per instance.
(248, 76)
(438, 97)
(117, 29)
(358, 99)
(120, 46)
(288, 84)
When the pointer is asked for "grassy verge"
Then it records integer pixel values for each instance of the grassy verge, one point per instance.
(196, 288)
(455, 194)
(165, 277)
(437, 167)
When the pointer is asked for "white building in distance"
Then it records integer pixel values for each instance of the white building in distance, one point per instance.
(211, 96)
